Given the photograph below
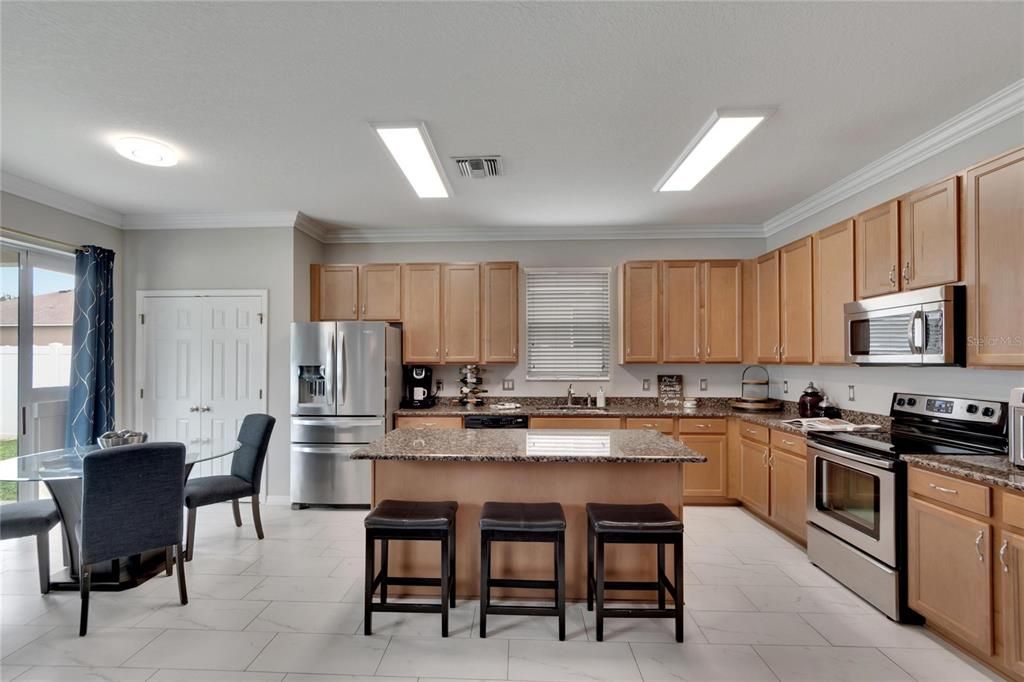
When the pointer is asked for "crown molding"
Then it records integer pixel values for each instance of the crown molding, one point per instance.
(989, 112)
(54, 198)
(350, 235)
(196, 221)
(311, 226)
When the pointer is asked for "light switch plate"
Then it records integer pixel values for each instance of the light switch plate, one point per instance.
(647, 384)
(508, 384)
(440, 385)
(853, 393)
(703, 383)
(785, 387)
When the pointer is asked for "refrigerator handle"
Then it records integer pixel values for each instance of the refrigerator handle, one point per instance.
(341, 369)
(329, 374)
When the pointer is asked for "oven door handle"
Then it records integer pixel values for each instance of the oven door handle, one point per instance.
(872, 462)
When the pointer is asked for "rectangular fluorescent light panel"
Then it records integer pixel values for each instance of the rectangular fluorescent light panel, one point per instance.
(414, 155)
(713, 143)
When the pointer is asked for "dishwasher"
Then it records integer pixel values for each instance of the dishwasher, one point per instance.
(486, 421)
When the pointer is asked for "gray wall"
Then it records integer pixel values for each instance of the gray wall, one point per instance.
(222, 259)
(50, 223)
(306, 251)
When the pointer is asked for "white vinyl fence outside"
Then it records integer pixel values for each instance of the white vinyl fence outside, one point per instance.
(51, 367)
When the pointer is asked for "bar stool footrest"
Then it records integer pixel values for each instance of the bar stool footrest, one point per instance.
(407, 581)
(511, 610)
(638, 613)
(406, 607)
(524, 584)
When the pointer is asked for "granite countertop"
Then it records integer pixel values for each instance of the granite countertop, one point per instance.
(639, 407)
(991, 470)
(619, 446)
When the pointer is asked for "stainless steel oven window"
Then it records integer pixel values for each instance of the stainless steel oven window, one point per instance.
(850, 496)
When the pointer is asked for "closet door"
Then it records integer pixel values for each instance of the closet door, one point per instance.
(233, 372)
(170, 386)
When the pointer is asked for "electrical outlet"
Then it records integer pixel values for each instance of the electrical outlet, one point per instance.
(440, 385)
(853, 393)
(703, 384)
(508, 384)
(785, 387)
(647, 384)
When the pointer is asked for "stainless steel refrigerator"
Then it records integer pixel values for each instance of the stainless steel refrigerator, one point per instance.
(346, 382)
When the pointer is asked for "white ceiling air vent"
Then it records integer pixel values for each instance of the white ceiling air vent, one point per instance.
(478, 167)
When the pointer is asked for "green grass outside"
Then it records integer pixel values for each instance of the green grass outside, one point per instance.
(8, 489)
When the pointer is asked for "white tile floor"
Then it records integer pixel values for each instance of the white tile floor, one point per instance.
(289, 608)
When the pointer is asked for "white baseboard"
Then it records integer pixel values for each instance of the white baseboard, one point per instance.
(278, 500)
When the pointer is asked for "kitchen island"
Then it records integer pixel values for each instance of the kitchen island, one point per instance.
(525, 465)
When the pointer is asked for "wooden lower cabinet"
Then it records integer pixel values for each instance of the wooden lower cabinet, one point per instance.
(754, 479)
(707, 479)
(1011, 572)
(575, 422)
(428, 422)
(788, 492)
(950, 572)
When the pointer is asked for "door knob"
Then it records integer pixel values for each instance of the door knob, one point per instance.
(194, 408)
(204, 408)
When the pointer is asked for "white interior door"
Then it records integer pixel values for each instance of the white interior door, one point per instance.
(202, 368)
(234, 362)
(171, 386)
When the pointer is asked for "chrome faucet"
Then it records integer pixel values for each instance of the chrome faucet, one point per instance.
(571, 395)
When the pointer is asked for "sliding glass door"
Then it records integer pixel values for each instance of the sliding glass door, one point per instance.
(36, 314)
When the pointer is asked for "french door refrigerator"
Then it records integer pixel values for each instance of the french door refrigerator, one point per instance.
(346, 382)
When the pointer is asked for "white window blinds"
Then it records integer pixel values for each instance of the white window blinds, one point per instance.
(568, 323)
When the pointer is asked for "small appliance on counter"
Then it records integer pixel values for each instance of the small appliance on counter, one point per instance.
(754, 393)
(419, 381)
(1016, 426)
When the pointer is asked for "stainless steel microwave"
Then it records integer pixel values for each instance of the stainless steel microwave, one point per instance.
(923, 327)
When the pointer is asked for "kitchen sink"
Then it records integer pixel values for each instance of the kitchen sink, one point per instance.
(577, 409)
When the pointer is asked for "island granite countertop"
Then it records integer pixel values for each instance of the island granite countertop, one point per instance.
(616, 446)
(708, 408)
(991, 470)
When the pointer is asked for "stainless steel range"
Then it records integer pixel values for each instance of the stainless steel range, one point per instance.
(856, 506)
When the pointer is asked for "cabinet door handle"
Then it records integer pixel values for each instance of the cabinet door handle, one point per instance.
(906, 272)
(707, 352)
(775, 349)
(782, 349)
(364, 309)
(1002, 556)
(939, 488)
(751, 431)
(353, 310)
(977, 545)
(703, 426)
(787, 442)
(892, 276)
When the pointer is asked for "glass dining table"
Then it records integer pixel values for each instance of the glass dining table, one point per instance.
(61, 472)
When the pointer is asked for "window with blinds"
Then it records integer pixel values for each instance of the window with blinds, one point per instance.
(568, 323)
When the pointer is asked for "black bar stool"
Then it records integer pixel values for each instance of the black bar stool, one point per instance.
(636, 524)
(408, 520)
(522, 522)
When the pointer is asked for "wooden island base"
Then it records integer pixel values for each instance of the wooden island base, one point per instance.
(571, 484)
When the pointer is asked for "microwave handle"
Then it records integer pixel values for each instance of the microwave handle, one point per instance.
(912, 332)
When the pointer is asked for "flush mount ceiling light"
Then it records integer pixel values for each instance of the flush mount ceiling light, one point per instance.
(716, 138)
(410, 147)
(149, 152)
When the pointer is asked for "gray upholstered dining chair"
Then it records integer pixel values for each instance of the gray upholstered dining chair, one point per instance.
(243, 481)
(22, 519)
(131, 503)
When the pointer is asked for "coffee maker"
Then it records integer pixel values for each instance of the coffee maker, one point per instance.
(419, 381)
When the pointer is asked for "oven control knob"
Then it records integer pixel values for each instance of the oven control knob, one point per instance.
(987, 412)
(911, 401)
(972, 409)
(901, 402)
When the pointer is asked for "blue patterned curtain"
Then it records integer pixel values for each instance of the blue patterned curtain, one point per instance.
(91, 394)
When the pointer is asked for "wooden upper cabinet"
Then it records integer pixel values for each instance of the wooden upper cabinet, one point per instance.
(930, 235)
(723, 311)
(461, 304)
(339, 292)
(877, 235)
(500, 325)
(1012, 575)
(421, 313)
(681, 311)
(833, 288)
(766, 338)
(639, 311)
(380, 292)
(950, 572)
(796, 338)
(994, 242)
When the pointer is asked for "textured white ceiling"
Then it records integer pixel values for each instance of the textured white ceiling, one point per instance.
(588, 103)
